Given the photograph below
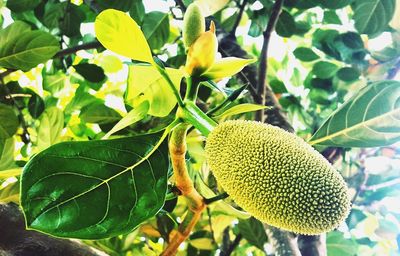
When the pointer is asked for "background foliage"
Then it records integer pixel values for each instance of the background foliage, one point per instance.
(59, 84)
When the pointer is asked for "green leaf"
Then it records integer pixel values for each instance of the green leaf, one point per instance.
(119, 33)
(6, 156)
(286, 26)
(135, 115)
(50, 128)
(330, 17)
(348, 74)
(137, 11)
(337, 4)
(22, 5)
(324, 69)
(337, 245)
(8, 121)
(369, 119)
(55, 82)
(155, 27)
(253, 231)
(95, 189)
(373, 16)
(209, 7)
(99, 113)
(122, 5)
(145, 83)
(35, 105)
(23, 49)
(239, 109)
(90, 72)
(305, 54)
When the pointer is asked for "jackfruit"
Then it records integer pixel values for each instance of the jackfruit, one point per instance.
(277, 177)
(193, 25)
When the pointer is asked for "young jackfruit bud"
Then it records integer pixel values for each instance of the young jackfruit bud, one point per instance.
(202, 53)
(277, 177)
(193, 25)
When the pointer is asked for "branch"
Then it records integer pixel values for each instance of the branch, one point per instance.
(263, 90)
(312, 245)
(72, 50)
(239, 17)
(177, 150)
(16, 240)
(232, 246)
(181, 5)
(283, 242)
(386, 184)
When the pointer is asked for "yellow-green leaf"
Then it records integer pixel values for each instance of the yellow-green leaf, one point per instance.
(239, 109)
(132, 117)
(119, 33)
(209, 7)
(10, 173)
(227, 67)
(145, 83)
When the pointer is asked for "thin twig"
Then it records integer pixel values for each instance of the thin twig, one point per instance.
(386, 184)
(211, 227)
(181, 5)
(72, 50)
(233, 245)
(239, 17)
(262, 87)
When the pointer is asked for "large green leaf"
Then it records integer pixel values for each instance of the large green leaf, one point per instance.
(145, 83)
(370, 119)
(21, 48)
(253, 231)
(120, 33)
(99, 113)
(6, 154)
(8, 121)
(337, 245)
(156, 29)
(95, 189)
(373, 16)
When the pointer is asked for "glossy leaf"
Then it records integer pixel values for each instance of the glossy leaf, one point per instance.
(155, 27)
(240, 109)
(145, 83)
(22, 5)
(253, 231)
(95, 189)
(135, 115)
(227, 67)
(373, 16)
(369, 119)
(119, 33)
(21, 48)
(50, 128)
(8, 121)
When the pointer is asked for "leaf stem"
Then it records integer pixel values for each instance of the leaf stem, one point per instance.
(195, 116)
(192, 89)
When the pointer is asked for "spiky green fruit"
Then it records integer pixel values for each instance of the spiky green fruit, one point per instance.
(277, 177)
(193, 24)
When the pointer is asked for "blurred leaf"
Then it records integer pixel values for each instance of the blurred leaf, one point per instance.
(99, 114)
(23, 49)
(372, 16)
(22, 5)
(145, 83)
(119, 33)
(369, 119)
(10, 193)
(305, 54)
(253, 231)
(6, 157)
(55, 82)
(337, 245)
(227, 67)
(95, 189)
(240, 109)
(209, 7)
(155, 27)
(7, 173)
(258, 22)
(330, 17)
(137, 11)
(286, 26)
(337, 4)
(35, 105)
(277, 86)
(8, 121)
(90, 72)
(135, 115)
(348, 74)
(50, 128)
(122, 5)
(80, 100)
(324, 69)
